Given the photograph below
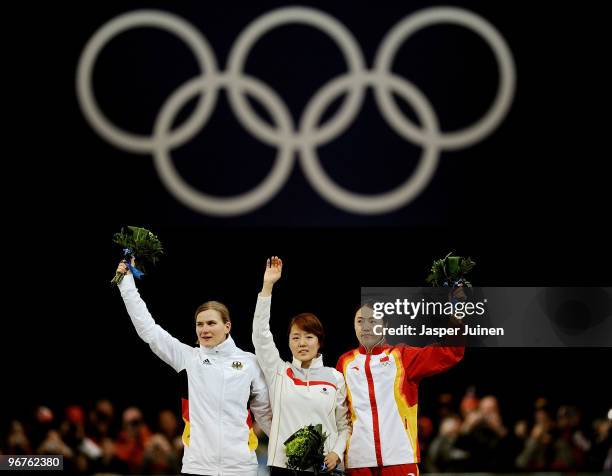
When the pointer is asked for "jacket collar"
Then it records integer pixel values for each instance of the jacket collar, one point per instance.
(227, 347)
(377, 349)
(316, 363)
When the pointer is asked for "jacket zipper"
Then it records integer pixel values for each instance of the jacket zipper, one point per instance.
(220, 412)
(374, 410)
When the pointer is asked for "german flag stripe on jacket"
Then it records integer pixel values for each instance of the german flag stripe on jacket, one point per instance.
(382, 390)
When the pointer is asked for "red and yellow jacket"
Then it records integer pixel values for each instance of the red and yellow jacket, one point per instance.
(382, 390)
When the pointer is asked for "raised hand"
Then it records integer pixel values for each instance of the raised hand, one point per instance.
(123, 268)
(274, 270)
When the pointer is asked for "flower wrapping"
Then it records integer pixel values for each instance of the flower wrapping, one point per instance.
(305, 448)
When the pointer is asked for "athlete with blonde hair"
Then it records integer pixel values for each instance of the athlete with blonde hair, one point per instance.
(223, 382)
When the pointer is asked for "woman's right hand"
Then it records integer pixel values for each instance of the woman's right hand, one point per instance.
(123, 267)
(274, 270)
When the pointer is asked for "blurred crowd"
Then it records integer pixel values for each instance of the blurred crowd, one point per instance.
(464, 435)
(472, 436)
(100, 441)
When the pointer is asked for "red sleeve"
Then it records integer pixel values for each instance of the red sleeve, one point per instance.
(340, 364)
(422, 362)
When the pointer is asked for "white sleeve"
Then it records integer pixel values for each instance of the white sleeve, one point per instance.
(166, 347)
(260, 401)
(342, 417)
(263, 341)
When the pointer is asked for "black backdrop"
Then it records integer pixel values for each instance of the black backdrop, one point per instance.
(530, 203)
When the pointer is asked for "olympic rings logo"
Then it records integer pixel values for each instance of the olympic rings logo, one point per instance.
(303, 139)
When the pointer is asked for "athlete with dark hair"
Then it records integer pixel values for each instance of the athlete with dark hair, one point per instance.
(382, 385)
(303, 392)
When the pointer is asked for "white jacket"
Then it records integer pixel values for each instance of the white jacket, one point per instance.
(299, 396)
(221, 381)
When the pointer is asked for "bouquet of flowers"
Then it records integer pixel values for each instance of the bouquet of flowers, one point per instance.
(138, 244)
(451, 271)
(305, 448)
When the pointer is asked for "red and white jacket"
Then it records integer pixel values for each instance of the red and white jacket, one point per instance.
(299, 396)
(382, 390)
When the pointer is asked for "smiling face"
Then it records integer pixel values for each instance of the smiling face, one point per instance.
(364, 327)
(304, 345)
(210, 328)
